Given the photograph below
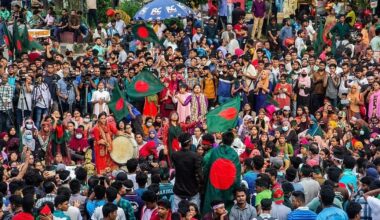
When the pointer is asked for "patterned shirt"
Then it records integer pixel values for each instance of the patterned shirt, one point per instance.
(365, 213)
(6, 94)
(48, 198)
(127, 208)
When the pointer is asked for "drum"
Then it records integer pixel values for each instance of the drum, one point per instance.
(122, 150)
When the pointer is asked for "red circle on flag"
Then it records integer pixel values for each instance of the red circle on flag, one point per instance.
(143, 32)
(119, 104)
(18, 45)
(222, 174)
(141, 86)
(228, 113)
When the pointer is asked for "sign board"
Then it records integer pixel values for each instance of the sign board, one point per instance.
(373, 4)
(36, 33)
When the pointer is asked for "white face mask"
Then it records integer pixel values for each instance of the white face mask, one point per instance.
(78, 136)
(286, 128)
(361, 132)
(29, 126)
(29, 137)
(149, 124)
(87, 120)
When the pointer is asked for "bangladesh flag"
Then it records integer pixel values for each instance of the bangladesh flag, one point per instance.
(144, 84)
(28, 43)
(144, 33)
(17, 40)
(118, 105)
(8, 41)
(318, 44)
(223, 173)
(223, 117)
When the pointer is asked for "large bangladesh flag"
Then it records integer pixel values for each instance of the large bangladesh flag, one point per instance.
(118, 105)
(222, 172)
(144, 33)
(28, 42)
(223, 117)
(17, 39)
(144, 84)
(8, 41)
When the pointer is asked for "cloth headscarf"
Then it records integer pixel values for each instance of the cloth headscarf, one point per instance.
(78, 144)
(29, 120)
(314, 128)
(155, 138)
(29, 143)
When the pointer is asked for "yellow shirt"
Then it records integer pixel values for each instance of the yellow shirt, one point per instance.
(351, 15)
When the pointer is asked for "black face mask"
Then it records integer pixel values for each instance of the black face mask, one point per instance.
(304, 75)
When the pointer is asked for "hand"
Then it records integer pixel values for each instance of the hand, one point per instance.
(166, 151)
(76, 203)
(101, 101)
(78, 98)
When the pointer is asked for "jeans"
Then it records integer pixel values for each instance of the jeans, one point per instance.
(195, 199)
(213, 41)
(5, 120)
(19, 118)
(91, 16)
(38, 113)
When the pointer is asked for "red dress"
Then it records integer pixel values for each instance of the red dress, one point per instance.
(102, 155)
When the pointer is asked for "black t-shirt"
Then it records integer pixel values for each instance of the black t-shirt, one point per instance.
(237, 13)
(273, 29)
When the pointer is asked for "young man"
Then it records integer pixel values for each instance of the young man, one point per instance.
(242, 210)
(279, 210)
(189, 175)
(353, 211)
(61, 204)
(301, 212)
(263, 191)
(109, 211)
(150, 210)
(218, 211)
(329, 211)
(164, 210)
(266, 206)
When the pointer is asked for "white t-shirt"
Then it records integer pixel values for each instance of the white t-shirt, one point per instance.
(374, 204)
(98, 214)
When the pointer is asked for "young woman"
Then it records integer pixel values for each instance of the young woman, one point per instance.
(374, 101)
(262, 90)
(79, 145)
(198, 103)
(355, 101)
(103, 133)
(171, 133)
(282, 92)
(100, 99)
(183, 111)
(166, 103)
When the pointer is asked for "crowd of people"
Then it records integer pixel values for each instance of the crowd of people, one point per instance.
(306, 143)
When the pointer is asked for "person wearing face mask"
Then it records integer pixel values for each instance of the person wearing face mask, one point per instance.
(28, 140)
(148, 126)
(100, 99)
(78, 144)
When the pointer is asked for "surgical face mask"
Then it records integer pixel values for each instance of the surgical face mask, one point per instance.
(29, 126)
(286, 128)
(149, 124)
(87, 120)
(29, 137)
(78, 136)
(361, 132)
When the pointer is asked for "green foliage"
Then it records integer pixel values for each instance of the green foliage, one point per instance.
(103, 5)
(131, 7)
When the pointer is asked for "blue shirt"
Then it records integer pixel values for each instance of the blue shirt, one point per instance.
(349, 177)
(93, 204)
(302, 213)
(332, 213)
(286, 32)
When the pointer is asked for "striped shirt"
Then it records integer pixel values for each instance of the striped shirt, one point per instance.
(302, 213)
(6, 95)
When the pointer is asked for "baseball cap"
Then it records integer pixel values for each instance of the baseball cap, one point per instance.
(278, 196)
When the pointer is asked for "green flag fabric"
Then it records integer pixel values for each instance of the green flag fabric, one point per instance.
(17, 40)
(8, 41)
(25, 39)
(145, 33)
(223, 117)
(144, 84)
(118, 105)
(318, 44)
(223, 175)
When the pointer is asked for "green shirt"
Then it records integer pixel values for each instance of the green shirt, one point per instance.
(265, 194)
